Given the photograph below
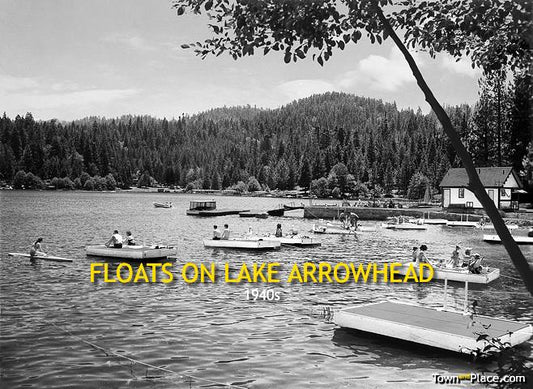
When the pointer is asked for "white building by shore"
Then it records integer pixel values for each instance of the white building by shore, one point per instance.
(499, 182)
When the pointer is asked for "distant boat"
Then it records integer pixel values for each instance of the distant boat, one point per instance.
(292, 206)
(462, 223)
(242, 244)
(209, 208)
(277, 212)
(402, 223)
(257, 214)
(491, 226)
(318, 229)
(518, 239)
(163, 205)
(131, 252)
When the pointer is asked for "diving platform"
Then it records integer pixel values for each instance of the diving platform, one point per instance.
(448, 330)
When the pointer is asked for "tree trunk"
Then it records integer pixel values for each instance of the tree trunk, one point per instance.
(475, 185)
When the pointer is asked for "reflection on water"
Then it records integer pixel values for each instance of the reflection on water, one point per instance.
(210, 330)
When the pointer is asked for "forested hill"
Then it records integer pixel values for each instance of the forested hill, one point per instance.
(281, 148)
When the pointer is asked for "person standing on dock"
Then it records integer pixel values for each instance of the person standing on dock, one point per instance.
(279, 232)
(116, 240)
(216, 233)
(36, 249)
(225, 233)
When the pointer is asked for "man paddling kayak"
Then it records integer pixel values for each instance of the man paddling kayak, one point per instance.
(36, 250)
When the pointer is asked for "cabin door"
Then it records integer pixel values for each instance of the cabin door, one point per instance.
(446, 198)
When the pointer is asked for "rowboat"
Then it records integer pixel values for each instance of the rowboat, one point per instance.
(163, 205)
(488, 274)
(131, 252)
(444, 329)
(403, 226)
(243, 244)
(43, 257)
(332, 230)
(517, 239)
(294, 240)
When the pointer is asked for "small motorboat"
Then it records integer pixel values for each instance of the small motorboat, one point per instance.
(360, 227)
(462, 224)
(517, 238)
(243, 244)
(168, 204)
(257, 214)
(131, 252)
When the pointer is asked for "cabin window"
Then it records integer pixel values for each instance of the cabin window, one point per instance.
(503, 192)
(461, 193)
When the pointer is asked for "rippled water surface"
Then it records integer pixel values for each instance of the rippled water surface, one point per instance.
(51, 311)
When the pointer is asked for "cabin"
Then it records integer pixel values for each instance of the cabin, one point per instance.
(501, 183)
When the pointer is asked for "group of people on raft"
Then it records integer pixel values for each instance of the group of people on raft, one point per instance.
(471, 261)
(116, 241)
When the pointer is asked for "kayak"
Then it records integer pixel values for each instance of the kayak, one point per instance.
(488, 274)
(242, 244)
(43, 257)
(131, 252)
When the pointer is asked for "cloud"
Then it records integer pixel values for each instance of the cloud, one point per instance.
(379, 73)
(463, 66)
(299, 89)
(10, 83)
(131, 41)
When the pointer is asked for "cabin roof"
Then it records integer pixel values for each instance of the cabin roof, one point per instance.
(491, 177)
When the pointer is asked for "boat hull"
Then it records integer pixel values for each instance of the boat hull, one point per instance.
(517, 239)
(242, 244)
(130, 252)
(333, 230)
(461, 224)
(404, 226)
(215, 212)
(489, 274)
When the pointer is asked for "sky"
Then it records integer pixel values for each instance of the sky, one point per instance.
(69, 59)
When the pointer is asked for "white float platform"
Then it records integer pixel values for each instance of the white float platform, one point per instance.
(448, 330)
(517, 239)
(487, 275)
(243, 244)
(131, 252)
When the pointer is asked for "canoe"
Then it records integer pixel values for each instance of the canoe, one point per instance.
(332, 230)
(243, 244)
(131, 252)
(163, 205)
(295, 240)
(258, 214)
(461, 224)
(487, 275)
(404, 226)
(444, 329)
(43, 257)
(517, 239)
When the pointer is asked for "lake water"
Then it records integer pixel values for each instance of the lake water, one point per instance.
(210, 331)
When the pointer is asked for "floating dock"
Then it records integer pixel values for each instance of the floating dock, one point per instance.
(448, 330)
